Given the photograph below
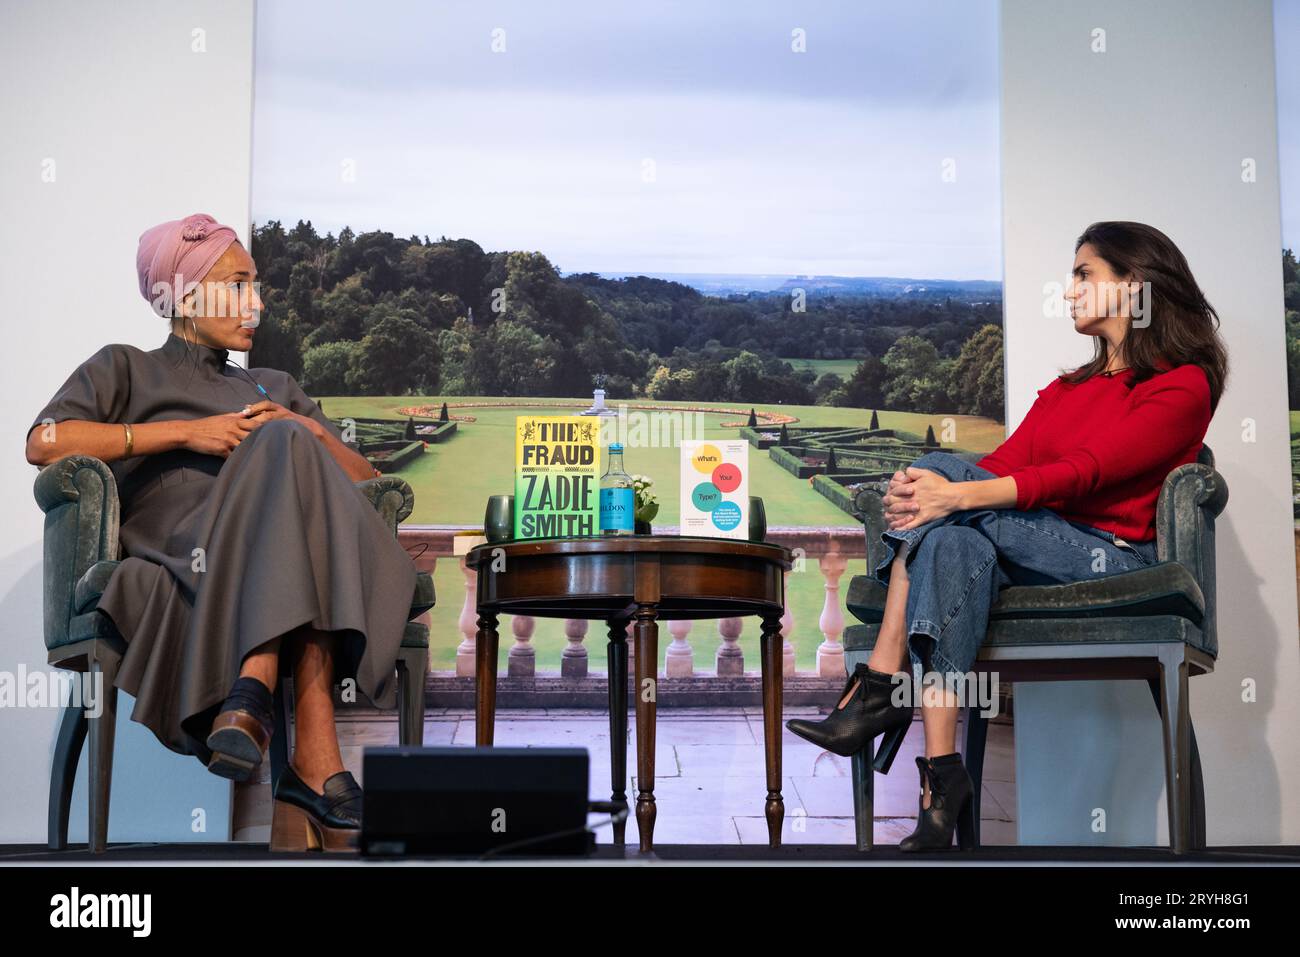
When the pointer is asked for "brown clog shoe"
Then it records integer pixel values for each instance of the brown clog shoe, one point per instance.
(242, 731)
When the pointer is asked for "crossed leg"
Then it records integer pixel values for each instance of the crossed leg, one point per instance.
(939, 705)
(316, 753)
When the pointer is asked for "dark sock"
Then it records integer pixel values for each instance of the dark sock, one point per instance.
(252, 696)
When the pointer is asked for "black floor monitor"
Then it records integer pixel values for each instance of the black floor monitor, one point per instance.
(475, 801)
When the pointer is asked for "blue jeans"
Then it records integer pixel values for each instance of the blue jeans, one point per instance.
(958, 564)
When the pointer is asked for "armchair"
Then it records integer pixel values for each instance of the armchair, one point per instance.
(1156, 623)
(78, 495)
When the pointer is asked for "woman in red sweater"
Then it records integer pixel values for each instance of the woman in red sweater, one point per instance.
(1070, 495)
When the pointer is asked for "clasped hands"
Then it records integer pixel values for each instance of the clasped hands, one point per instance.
(916, 496)
(259, 413)
(221, 434)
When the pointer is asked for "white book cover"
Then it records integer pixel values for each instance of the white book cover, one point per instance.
(715, 488)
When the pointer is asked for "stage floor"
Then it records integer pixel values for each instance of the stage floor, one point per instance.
(710, 778)
(249, 854)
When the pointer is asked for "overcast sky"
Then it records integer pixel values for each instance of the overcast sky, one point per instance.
(763, 160)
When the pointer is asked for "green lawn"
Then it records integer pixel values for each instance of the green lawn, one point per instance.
(453, 480)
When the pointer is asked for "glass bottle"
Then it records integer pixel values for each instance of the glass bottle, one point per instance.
(617, 497)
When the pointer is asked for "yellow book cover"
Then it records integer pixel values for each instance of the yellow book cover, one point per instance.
(557, 476)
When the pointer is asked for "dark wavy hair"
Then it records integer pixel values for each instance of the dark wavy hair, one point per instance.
(1183, 329)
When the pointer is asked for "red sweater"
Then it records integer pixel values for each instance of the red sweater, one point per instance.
(1098, 454)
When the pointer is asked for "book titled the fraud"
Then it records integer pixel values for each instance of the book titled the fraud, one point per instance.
(715, 488)
(557, 476)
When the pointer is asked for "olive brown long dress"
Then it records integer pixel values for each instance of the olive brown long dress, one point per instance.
(222, 555)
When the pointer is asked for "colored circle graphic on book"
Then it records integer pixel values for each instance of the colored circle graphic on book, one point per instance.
(706, 497)
(726, 516)
(707, 458)
(727, 477)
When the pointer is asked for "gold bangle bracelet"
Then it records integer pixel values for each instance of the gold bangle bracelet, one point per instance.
(130, 439)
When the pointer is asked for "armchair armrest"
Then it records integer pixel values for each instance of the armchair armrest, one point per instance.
(78, 495)
(1191, 498)
(869, 505)
(391, 497)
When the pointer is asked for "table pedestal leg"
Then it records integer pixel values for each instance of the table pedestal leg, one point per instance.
(618, 721)
(485, 679)
(646, 634)
(770, 662)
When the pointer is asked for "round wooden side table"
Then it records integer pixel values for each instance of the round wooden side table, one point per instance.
(644, 579)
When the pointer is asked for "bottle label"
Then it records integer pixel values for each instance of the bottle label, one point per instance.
(617, 509)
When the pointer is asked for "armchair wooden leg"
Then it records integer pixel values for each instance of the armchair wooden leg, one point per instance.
(279, 749)
(104, 661)
(63, 772)
(976, 733)
(1175, 721)
(412, 663)
(1198, 793)
(864, 795)
(866, 764)
(1198, 840)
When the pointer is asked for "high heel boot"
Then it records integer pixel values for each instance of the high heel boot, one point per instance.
(870, 711)
(951, 805)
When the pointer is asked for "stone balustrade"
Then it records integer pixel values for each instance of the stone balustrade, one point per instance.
(696, 648)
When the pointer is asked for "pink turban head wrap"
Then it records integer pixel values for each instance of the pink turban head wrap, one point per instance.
(179, 254)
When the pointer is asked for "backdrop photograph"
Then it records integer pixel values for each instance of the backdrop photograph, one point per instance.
(743, 229)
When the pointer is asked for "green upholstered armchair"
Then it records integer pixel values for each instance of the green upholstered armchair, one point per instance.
(1155, 623)
(78, 495)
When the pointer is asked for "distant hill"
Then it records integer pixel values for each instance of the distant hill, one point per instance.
(727, 284)
(889, 286)
(711, 284)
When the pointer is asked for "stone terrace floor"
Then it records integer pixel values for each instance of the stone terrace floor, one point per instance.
(709, 778)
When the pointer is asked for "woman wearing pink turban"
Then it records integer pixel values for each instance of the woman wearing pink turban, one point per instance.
(243, 535)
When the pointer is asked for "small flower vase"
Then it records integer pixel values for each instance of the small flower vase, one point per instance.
(642, 528)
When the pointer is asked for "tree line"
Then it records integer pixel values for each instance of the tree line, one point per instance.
(373, 314)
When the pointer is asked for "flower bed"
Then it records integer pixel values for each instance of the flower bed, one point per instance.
(437, 433)
(791, 459)
(390, 460)
(760, 438)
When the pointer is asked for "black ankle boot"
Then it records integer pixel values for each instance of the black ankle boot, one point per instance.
(951, 805)
(870, 712)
